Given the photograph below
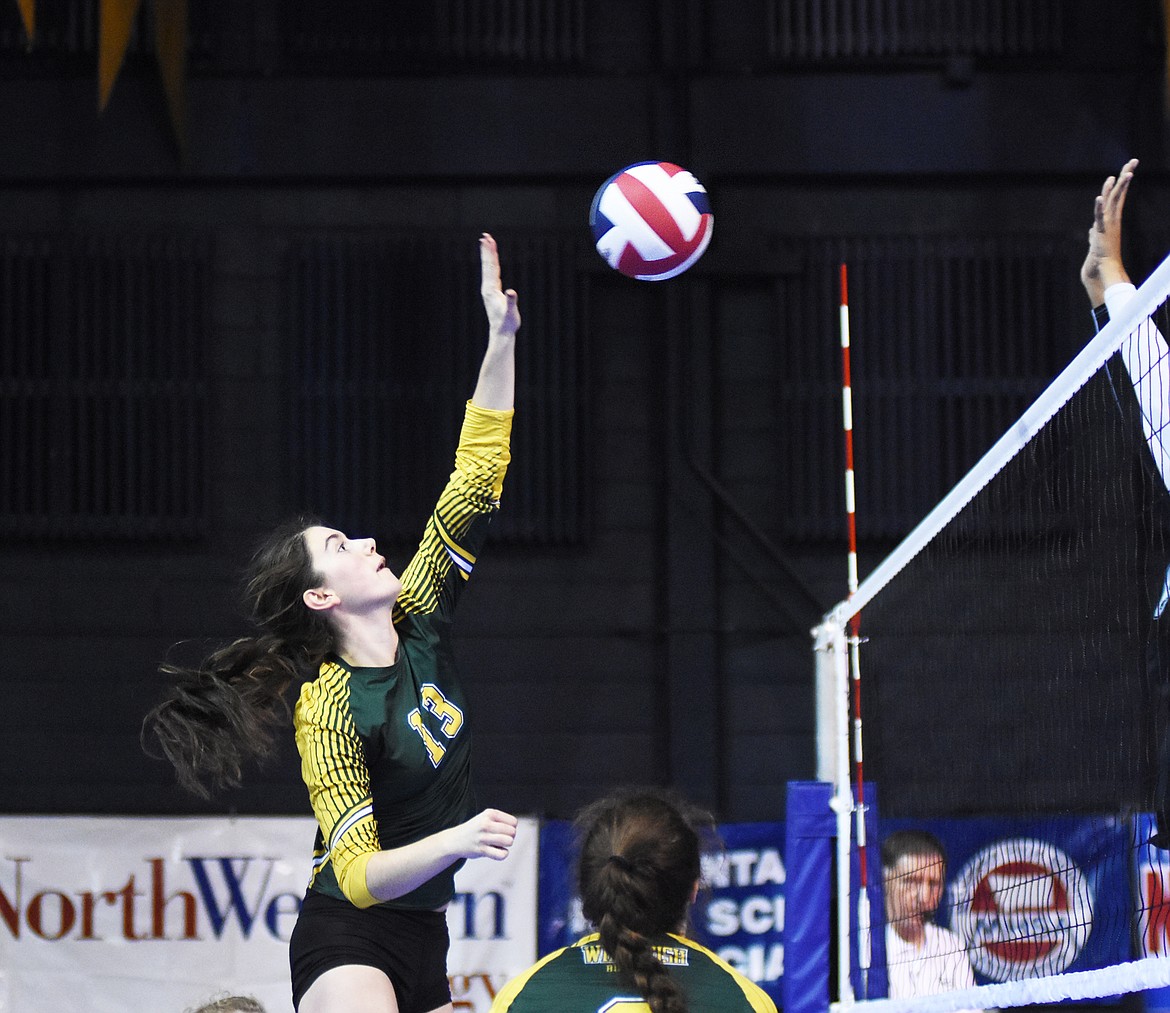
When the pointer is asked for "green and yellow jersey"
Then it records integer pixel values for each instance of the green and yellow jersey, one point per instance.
(582, 979)
(386, 752)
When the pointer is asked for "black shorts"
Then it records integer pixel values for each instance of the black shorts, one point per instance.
(409, 947)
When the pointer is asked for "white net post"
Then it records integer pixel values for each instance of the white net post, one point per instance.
(830, 647)
(832, 666)
(1128, 327)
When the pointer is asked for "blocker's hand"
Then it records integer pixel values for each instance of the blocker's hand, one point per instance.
(502, 312)
(1103, 264)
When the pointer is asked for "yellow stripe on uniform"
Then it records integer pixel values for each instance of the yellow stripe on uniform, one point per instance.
(507, 995)
(757, 998)
(463, 559)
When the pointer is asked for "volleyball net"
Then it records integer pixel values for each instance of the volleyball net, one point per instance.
(1010, 659)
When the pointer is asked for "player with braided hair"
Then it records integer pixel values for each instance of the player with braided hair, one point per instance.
(638, 874)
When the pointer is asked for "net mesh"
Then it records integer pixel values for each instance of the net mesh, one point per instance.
(1014, 665)
(1005, 669)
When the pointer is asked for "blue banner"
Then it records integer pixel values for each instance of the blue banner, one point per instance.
(1034, 897)
(559, 920)
(740, 916)
(1028, 897)
(1152, 890)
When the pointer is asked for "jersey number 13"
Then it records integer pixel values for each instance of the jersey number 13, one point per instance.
(450, 721)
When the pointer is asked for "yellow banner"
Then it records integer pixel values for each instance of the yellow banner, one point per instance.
(117, 21)
(28, 14)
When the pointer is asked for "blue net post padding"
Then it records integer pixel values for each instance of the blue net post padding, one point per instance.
(811, 830)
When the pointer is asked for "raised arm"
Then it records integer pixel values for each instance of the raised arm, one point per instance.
(450, 546)
(490, 833)
(496, 386)
(1144, 352)
(1103, 265)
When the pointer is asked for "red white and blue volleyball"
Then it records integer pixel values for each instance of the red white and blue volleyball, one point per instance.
(651, 221)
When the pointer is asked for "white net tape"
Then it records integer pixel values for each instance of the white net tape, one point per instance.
(1119, 979)
(1148, 298)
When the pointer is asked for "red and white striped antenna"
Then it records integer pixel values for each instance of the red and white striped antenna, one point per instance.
(863, 913)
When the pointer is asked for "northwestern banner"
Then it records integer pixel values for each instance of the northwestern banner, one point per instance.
(162, 914)
(740, 917)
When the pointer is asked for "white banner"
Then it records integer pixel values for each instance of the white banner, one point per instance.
(493, 921)
(118, 914)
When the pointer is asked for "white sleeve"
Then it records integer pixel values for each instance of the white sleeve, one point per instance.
(1147, 360)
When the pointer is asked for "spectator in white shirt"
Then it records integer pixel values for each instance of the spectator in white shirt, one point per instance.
(921, 958)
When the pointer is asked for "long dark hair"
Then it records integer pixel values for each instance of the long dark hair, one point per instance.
(640, 860)
(222, 713)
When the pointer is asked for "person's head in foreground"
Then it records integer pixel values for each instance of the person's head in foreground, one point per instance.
(637, 875)
(639, 872)
(914, 867)
(231, 1004)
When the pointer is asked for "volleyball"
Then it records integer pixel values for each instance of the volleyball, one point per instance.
(651, 221)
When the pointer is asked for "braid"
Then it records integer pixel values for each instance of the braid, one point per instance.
(223, 712)
(638, 966)
(639, 864)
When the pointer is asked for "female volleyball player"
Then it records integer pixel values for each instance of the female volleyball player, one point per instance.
(380, 724)
(638, 874)
(1147, 362)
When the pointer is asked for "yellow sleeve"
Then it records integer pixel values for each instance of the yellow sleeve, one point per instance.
(507, 995)
(484, 453)
(456, 528)
(334, 770)
(757, 998)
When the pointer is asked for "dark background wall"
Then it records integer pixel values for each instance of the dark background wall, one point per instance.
(283, 315)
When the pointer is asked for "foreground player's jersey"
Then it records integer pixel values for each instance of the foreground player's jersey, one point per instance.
(581, 979)
(386, 752)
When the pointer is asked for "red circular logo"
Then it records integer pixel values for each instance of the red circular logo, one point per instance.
(1024, 909)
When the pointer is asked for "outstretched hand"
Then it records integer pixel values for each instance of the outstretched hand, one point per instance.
(1103, 265)
(500, 304)
(489, 834)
